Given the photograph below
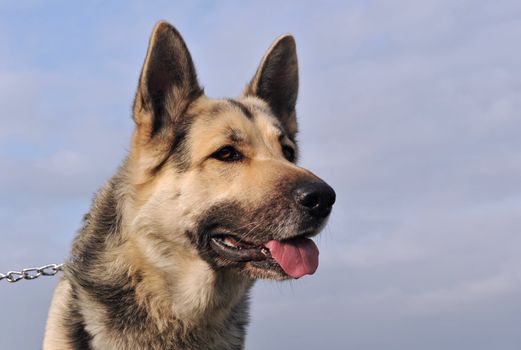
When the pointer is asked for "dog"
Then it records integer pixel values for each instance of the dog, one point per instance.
(208, 200)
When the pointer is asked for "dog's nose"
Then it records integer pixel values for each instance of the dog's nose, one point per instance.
(317, 197)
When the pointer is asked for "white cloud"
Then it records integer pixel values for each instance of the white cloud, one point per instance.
(466, 294)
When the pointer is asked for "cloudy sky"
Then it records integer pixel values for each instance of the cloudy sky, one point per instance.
(410, 109)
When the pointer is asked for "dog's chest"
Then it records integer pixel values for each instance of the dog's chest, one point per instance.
(226, 337)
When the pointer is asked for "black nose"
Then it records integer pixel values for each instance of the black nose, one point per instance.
(317, 197)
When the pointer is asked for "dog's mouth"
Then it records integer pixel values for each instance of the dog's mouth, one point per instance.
(296, 257)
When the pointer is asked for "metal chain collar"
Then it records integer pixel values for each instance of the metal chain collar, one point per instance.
(31, 273)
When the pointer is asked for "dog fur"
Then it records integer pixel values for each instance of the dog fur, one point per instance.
(142, 273)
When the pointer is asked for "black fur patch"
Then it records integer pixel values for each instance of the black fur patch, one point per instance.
(178, 151)
(74, 323)
(242, 107)
(120, 300)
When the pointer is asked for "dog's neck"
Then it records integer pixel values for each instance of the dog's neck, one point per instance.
(173, 275)
(179, 296)
(185, 285)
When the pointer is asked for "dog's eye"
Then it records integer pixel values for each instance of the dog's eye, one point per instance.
(289, 153)
(228, 154)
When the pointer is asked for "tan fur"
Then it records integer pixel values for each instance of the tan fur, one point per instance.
(55, 337)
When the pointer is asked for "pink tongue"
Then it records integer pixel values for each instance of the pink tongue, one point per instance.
(297, 257)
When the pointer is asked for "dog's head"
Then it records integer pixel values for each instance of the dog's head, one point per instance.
(218, 177)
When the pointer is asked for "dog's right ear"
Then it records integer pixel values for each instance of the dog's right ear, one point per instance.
(168, 82)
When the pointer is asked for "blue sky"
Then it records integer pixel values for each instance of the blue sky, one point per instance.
(410, 109)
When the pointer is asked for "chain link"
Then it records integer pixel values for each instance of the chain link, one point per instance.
(31, 273)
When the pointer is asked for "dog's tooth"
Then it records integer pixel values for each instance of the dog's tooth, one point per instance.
(230, 244)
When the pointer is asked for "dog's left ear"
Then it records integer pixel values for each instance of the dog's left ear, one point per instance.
(276, 81)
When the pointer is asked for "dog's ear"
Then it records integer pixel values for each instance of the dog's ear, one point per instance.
(276, 81)
(168, 81)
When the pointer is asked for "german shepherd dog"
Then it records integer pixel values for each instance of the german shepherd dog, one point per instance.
(208, 200)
